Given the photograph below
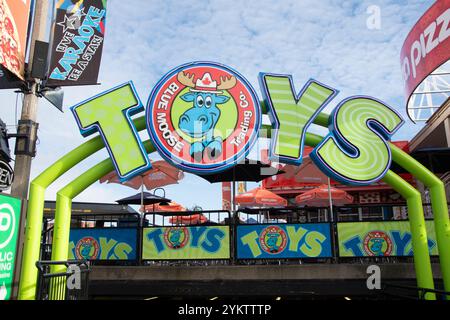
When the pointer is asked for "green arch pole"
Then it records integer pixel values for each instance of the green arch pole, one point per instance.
(438, 201)
(39, 185)
(33, 229)
(63, 211)
(422, 262)
(439, 206)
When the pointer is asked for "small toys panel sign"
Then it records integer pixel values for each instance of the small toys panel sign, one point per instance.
(380, 239)
(284, 241)
(103, 244)
(185, 243)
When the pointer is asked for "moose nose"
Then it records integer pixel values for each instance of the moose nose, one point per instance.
(202, 118)
(184, 118)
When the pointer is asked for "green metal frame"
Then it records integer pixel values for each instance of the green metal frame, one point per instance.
(65, 195)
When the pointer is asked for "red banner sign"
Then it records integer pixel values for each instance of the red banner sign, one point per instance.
(427, 46)
(226, 196)
(13, 34)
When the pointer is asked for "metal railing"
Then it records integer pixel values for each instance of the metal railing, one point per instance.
(62, 280)
(412, 293)
(225, 218)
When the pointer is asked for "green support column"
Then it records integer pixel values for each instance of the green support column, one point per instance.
(422, 262)
(35, 212)
(63, 212)
(438, 201)
(439, 206)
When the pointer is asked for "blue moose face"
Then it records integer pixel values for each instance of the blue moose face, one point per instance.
(203, 116)
(175, 237)
(272, 240)
(86, 250)
(377, 245)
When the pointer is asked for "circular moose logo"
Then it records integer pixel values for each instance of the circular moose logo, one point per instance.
(87, 248)
(377, 243)
(176, 237)
(203, 117)
(273, 239)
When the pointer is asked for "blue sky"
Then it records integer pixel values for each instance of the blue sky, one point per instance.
(327, 40)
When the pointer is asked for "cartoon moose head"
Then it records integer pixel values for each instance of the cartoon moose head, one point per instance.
(376, 245)
(200, 120)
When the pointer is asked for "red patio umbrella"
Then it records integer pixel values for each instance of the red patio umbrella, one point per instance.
(172, 206)
(260, 197)
(307, 172)
(320, 197)
(197, 218)
(161, 174)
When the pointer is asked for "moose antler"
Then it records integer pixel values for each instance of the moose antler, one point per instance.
(186, 79)
(226, 83)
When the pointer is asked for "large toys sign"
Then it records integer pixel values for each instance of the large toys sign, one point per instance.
(184, 243)
(284, 241)
(204, 117)
(370, 239)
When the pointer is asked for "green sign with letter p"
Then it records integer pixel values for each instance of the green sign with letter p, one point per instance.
(9, 226)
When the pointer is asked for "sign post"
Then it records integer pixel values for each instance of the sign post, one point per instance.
(9, 226)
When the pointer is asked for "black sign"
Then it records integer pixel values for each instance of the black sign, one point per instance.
(6, 176)
(78, 36)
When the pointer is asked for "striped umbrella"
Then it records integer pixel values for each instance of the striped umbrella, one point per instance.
(260, 197)
(320, 197)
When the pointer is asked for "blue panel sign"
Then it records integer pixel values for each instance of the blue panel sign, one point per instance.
(103, 244)
(284, 241)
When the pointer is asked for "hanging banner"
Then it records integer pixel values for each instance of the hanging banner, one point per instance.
(427, 46)
(185, 243)
(9, 228)
(13, 38)
(392, 238)
(103, 244)
(282, 241)
(226, 196)
(241, 187)
(78, 36)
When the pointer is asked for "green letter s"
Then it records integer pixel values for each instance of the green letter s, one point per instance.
(356, 151)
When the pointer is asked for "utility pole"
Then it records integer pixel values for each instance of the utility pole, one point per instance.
(28, 127)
